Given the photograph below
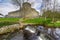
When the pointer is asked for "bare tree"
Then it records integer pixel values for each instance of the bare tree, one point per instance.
(19, 2)
(46, 3)
(54, 6)
(54, 9)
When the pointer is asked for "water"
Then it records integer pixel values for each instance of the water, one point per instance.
(18, 36)
(32, 33)
(35, 34)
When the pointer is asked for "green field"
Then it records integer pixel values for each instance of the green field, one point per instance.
(8, 21)
(47, 22)
(37, 20)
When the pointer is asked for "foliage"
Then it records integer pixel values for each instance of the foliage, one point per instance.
(51, 14)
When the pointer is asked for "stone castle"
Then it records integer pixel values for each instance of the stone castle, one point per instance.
(26, 11)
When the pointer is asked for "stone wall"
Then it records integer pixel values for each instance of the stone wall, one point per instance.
(10, 28)
(25, 12)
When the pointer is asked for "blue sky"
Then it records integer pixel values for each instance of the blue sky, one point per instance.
(4, 1)
(37, 4)
(6, 6)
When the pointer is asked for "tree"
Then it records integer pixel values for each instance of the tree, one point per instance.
(54, 10)
(46, 3)
(25, 9)
(19, 2)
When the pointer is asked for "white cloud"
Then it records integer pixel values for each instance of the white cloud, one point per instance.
(36, 4)
(7, 7)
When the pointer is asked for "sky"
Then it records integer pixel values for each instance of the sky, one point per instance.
(6, 6)
(36, 4)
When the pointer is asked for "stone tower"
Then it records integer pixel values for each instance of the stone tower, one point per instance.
(28, 12)
(25, 12)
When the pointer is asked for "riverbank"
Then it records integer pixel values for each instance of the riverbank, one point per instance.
(47, 23)
(17, 34)
(42, 21)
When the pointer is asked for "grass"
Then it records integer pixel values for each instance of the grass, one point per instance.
(8, 21)
(55, 24)
(38, 21)
(48, 21)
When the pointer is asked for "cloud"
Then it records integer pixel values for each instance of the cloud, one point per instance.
(5, 1)
(6, 6)
(37, 4)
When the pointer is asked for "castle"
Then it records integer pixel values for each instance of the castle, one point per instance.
(26, 11)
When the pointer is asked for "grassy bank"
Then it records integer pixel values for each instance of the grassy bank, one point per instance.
(55, 24)
(47, 22)
(8, 21)
(37, 20)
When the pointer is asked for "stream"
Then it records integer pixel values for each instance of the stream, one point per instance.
(32, 33)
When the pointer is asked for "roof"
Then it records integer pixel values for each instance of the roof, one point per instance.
(14, 11)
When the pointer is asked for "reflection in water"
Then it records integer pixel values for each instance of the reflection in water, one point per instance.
(33, 34)
(31, 29)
